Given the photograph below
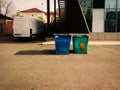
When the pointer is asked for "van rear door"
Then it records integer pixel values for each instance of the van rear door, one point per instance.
(21, 28)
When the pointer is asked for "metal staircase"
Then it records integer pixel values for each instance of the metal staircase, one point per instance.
(61, 5)
(74, 21)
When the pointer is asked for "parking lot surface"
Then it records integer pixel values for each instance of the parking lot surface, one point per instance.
(35, 66)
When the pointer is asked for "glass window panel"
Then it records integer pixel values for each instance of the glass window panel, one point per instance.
(88, 16)
(110, 3)
(110, 14)
(110, 20)
(86, 3)
(87, 10)
(98, 3)
(118, 20)
(118, 3)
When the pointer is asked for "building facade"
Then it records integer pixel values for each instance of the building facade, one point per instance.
(3, 20)
(34, 12)
(103, 18)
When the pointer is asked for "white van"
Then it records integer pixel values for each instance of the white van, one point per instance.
(27, 27)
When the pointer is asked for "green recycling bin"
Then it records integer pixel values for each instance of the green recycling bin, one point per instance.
(80, 44)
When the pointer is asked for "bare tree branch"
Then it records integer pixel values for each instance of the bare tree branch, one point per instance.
(2, 5)
(6, 6)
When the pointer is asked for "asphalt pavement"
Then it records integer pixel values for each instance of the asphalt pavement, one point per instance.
(33, 65)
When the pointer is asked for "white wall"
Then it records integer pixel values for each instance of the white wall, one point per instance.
(98, 20)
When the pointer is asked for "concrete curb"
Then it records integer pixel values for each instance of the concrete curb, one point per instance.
(90, 43)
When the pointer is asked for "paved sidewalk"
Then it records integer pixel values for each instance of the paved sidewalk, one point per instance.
(90, 43)
(33, 66)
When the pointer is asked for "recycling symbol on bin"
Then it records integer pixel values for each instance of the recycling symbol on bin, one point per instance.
(82, 45)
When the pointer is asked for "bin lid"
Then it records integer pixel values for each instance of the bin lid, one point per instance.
(80, 36)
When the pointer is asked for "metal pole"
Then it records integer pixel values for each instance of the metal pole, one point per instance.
(48, 17)
(59, 8)
(55, 14)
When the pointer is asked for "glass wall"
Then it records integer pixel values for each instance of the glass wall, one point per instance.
(118, 16)
(98, 4)
(112, 15)
(87, 6)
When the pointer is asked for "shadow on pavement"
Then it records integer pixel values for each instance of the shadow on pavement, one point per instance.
(37, 52)
(11, 39)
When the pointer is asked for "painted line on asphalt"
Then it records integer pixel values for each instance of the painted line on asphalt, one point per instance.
(110, 50)
(104, 43)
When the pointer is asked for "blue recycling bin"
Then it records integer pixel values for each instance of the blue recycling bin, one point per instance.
(62, 44)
